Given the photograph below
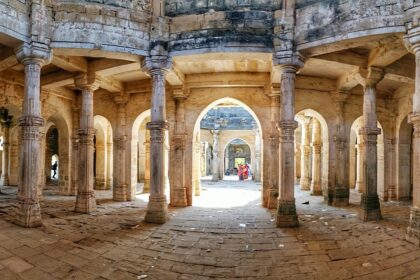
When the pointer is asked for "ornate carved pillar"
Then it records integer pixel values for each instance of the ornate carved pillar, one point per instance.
(274, 145)
(157, 208)
(146, 187)
(360, 182)
(413, 231)
(5, 155)
(75, 149)
(197, 167)
(316, 188)
(215, 176)
(370, 207)
(33, 57)
(305, 180)
(179, 198)
(85, 200)
(341, 191)
(121, 191)
(109, 166)
(286, 209)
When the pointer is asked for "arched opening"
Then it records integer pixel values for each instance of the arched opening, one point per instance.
(404, 189)
(51, 156)
(140, 154)
(226, 134)
(311, 152)
(103, 154)
(356, 178)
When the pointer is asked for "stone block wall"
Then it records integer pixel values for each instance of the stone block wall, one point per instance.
(101, 26)
(14, 19)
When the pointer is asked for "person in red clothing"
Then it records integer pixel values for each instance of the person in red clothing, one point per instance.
(241, 172)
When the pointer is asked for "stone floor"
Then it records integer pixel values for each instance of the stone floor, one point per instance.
(226, 235)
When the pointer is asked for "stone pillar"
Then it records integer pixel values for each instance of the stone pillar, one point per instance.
(146, 187)
(215, 176)
(340, 192)
(257, 169)
(5, 156)
(360, 183)
(305, 180)
(109, 166)
(75, 150)
(286, 209)
(85, 200)
(316, 188)
(157, 208)
(197, 167)
(28, 212)
(179, 192)
(121, 191)
(370, 209)
(413, 230)
(274, 145)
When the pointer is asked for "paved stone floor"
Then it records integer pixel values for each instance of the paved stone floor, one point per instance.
(227, 235)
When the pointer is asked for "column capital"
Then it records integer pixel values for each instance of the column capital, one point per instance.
(31, 121)
(158, 125)
(412, 40)
(340, 96)
(85, 81)
(157, 65)
(121, 99)
(371, 76)
(288, 61)
(369, 131)
(29, 53)
(272, 90)
(180, 93)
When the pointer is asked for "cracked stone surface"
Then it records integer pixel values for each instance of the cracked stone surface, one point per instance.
(226, 235)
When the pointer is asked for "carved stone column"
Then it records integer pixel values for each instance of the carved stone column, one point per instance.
(85, 200)
(341, 191)
(370, 209)
(157, 208)
(360, 182)
(215, 177)
(146, 187)
(257, 169)
(305, 180)
(28, 212)
(109, 166)
(197, 167)
(413, 230)
(286, 210)
(121, 191)
(5, 156)
(274, 145)
(179, 198)
(316, 188)
(75, 150)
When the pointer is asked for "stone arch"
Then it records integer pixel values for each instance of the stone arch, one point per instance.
(103, 160)
(196, 184)
(405, 160)
(64, 150)
(355, 158)
(226, 146)
(325, 149)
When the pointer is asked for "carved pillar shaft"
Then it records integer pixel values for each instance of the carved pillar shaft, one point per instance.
(274, 145)
(257, 171)
(146, 187)
(305, 147)
(85, 200)
(286, 209)
(28, 211)
(215, 175)
(370, 206)
(75, 151)
(157, 208)
(316, 158)
(360, 182)
(5, 157)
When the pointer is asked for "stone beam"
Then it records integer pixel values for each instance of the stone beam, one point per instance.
(55, 80)
(7, 59)
(227, 80)
(349, 80)
(107, 67)
(110, 84)
(12, 76)
(317, 83)
(175, 77)
(142, 86)
(71, 63)
(345, 57)
(96, 53)
(387, 54)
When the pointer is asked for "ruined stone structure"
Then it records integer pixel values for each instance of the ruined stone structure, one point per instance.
(126, 84)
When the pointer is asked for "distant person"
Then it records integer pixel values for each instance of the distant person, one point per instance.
(250, 174)
(54, 169)
(241, 172)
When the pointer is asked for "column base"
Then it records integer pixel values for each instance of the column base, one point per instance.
(359, 187)
(341, 197)
(157, 210)
(85, 202)
(5, 182)
(286, 214)
(370, 208)
(146, 186)
(305, 184)
(413, 230)
(316, 189)
(273, 199)
(329, 196)
(28, 214)
(179, 198)
(121, 194)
